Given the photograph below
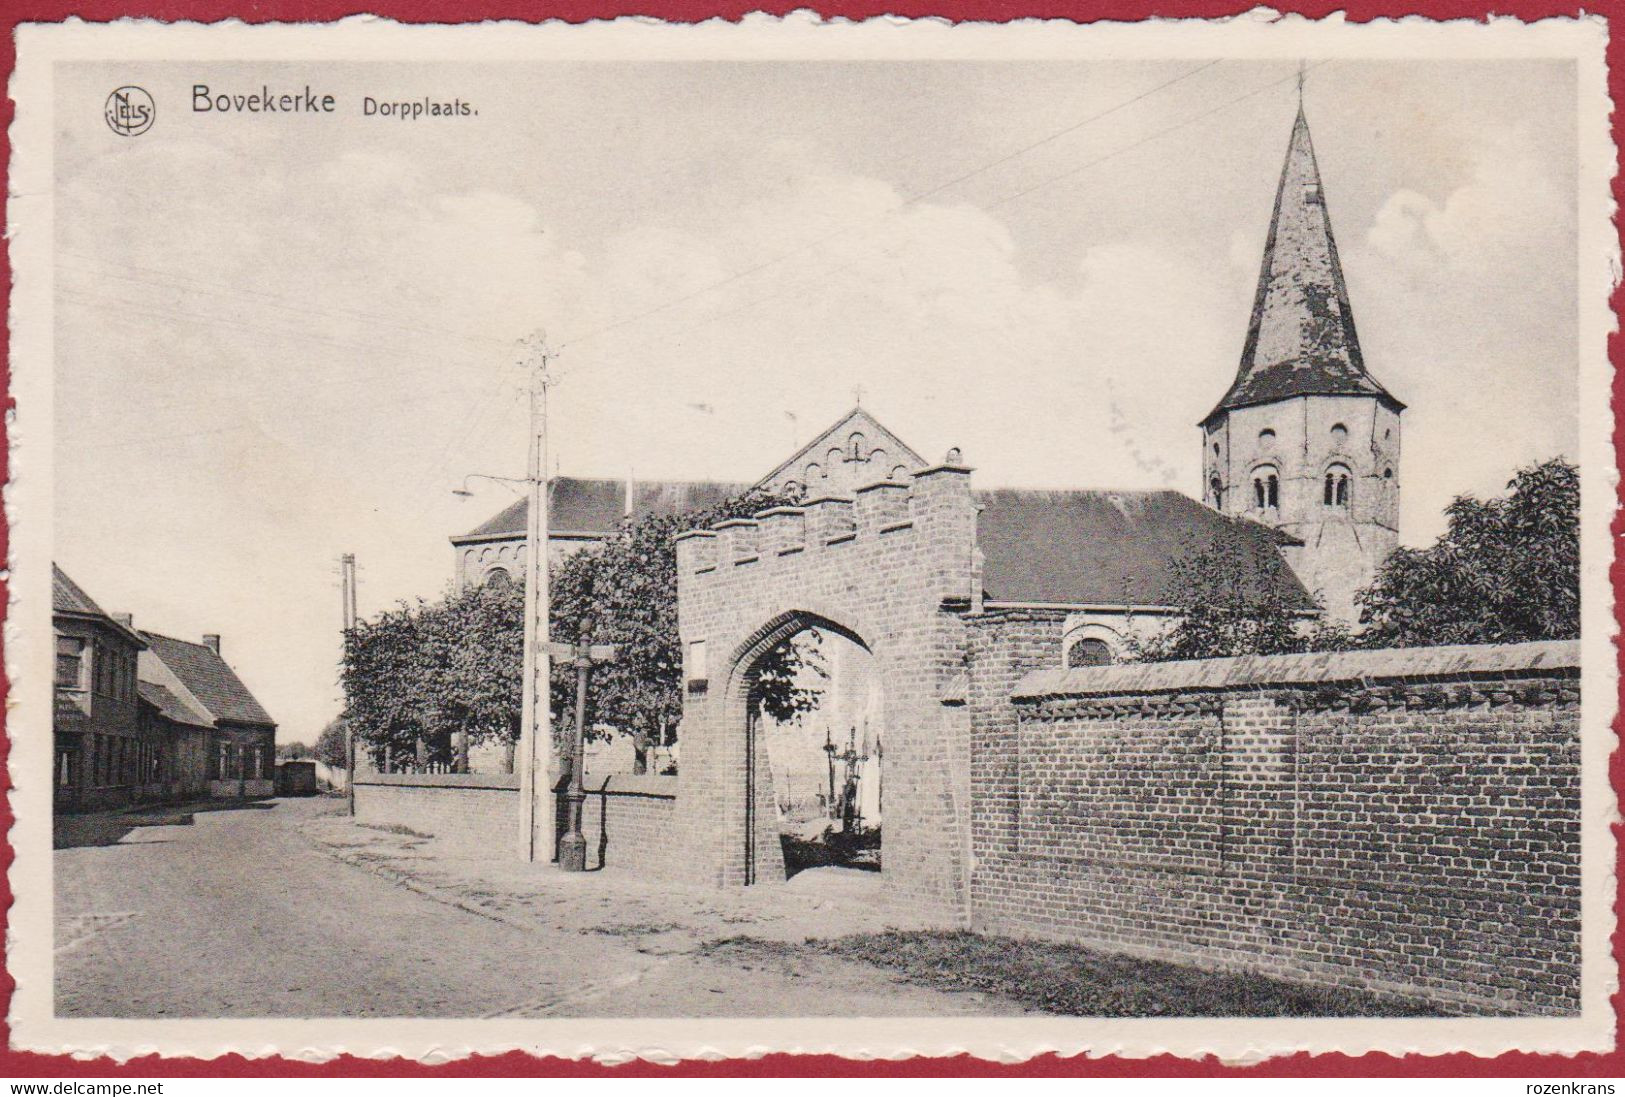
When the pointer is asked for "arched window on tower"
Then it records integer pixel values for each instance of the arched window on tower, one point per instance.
(854, 446)
(1089, 652)
(1266, 488)
(1215, 492)
(1337, 487)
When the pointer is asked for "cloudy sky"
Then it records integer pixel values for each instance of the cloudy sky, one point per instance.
(283, 338)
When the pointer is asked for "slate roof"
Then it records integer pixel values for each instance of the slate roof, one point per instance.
(69, 598)
(172, 706)
(210, 679)
(596, 506)
(1116, 547)
(1301, 339)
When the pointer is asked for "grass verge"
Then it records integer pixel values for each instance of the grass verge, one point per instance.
(1072, 980)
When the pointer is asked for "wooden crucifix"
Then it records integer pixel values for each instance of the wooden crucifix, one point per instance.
(583, 655)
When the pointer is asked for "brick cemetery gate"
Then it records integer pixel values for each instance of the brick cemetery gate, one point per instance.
(891, 570)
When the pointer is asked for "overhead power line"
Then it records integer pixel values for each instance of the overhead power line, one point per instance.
(804, 286)
(905, 204)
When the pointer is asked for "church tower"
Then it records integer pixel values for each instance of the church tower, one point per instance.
(1305, 439)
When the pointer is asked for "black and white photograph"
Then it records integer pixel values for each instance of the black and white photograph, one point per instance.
(629, 539)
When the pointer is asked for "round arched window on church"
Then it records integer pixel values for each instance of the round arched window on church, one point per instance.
(1089, 652)
(1340, 435)
(1337, 486)
(1266, 438)
(498, 579)
(1266, 488)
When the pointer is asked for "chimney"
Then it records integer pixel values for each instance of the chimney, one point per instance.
(211, 640)
(125, 619)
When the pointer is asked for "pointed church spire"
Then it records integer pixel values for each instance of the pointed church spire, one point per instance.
(1301, 339)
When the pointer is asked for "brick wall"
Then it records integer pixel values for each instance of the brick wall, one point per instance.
(1400, 821)
(473, 813)
(627, 820)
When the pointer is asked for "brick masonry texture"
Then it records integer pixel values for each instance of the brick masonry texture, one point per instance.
(1400, 822)
(627, 820)
(893, 568)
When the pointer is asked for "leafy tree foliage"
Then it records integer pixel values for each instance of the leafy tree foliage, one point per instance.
(425, 680)
(1506, 570)
(330, 746)
(287, 751)
(1233, 609)
(624, 592)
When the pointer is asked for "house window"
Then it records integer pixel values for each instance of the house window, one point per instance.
(70, 662)
(1089, 652)
(1266, 489)
(1336, 493)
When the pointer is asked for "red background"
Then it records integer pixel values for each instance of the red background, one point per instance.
(23, 1065)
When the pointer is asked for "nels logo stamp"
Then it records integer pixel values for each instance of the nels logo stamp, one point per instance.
(130, 111)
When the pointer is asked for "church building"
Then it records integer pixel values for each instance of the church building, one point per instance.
(1300, 460)
(1306, 440)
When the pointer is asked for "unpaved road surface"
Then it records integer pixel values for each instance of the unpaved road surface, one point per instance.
(254, 911)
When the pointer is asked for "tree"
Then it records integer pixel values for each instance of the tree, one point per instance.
(330, 747)
(426, 680)
(1234, 604)
(295, 749)
(625, 589)
(1505, 570)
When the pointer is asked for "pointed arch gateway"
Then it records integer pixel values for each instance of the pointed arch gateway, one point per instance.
(892, 570)
(765, 797)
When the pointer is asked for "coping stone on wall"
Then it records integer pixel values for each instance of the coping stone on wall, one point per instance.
(1252, 671)
(441, 780)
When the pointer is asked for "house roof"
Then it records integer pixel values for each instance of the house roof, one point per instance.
(172, 706)
(598, 506)
(210, 679)
(579, 505)
(69, 599)
(1117, 547)
(1301, 339)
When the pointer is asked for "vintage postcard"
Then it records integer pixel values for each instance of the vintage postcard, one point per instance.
(1065, 538)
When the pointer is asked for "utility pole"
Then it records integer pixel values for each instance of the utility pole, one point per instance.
(535, 736)
(347, 569)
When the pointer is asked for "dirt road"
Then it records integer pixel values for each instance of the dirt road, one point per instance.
(242, 913)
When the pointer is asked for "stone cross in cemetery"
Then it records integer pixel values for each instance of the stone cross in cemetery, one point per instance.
(583, 655)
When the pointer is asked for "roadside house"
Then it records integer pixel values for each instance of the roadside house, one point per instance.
(237, 756)
(105, 756)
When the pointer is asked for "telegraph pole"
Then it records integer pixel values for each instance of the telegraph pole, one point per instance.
(535, 738)
(347, 569)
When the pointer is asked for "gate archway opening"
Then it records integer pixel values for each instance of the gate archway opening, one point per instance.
(814, 745)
